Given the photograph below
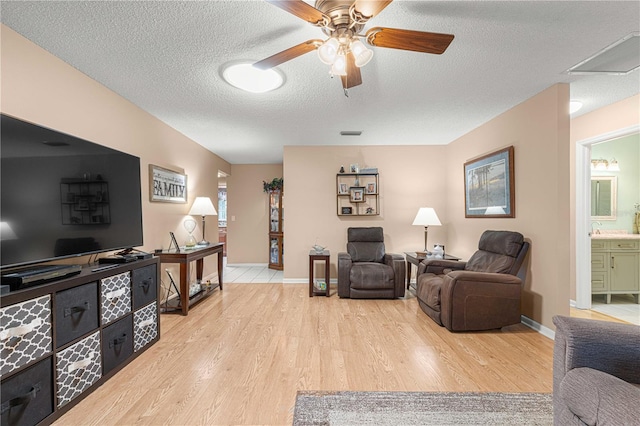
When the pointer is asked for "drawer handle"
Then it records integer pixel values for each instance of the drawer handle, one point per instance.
(20, 330)
(83, 363)
(613, 262)
(75, 309)
(115, 294)
(118, 341)
(147, 323)
(21, 400)
(144, 285)
(626, 245)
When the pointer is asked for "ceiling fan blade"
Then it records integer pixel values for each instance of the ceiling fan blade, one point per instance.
(416, 41)
(287, 55)
(370, 8)
(353, 77)
(302, 10)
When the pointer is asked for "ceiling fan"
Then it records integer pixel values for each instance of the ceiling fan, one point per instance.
(342, 21)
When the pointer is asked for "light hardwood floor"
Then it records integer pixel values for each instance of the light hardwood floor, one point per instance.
(240, 356)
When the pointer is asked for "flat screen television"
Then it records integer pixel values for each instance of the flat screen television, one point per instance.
(62, 196)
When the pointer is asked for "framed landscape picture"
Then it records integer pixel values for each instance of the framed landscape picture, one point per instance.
(489, 185)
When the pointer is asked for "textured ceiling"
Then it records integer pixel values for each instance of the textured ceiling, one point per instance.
(167, 56)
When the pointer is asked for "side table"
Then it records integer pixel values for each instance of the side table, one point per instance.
(319, 256)
(413, 258)
(183, 258)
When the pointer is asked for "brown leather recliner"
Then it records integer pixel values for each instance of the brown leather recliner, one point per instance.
(480, 294)
(366, 271)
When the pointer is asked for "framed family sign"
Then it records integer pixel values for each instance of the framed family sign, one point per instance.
(489, 185)
(167, 186)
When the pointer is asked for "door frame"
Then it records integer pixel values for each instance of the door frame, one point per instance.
(583, 211)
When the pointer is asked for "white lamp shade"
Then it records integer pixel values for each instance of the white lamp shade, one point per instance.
(339, 66)
(203, 206)
(361, 53)
(426, 217)
(328, 51)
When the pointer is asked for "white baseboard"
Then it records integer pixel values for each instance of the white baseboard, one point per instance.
(572, 303)
(545, 331)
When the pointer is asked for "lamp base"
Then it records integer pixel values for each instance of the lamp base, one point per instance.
(203, 243)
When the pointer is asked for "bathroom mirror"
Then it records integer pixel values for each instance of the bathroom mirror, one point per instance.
(603, 197)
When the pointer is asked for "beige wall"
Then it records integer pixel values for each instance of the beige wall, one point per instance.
(620, 115)
(248, 234)
(539, 131)
(417, 176)
(410, 177)
(40, 88)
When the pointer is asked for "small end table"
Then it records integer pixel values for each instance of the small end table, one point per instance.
(415, 259)
(314, 256)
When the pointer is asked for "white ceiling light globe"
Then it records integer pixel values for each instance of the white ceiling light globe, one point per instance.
(251, 79)
(328, 51)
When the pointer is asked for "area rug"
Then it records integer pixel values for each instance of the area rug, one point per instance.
(422, 408)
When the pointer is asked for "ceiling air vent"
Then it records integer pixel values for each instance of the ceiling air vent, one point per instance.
(620, 58)
(351, 133)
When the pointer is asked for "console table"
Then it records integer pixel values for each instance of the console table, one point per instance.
(413, 258)
(184, 257)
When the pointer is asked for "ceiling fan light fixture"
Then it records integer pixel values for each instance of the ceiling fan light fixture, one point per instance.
(246, 77)
(340, 65)
(328, 51)
(362, 54)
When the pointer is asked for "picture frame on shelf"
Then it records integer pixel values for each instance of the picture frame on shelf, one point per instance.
(343, 188)
(356, 194)
(489, 185)
(371, 188)
(354, 168)
(346, 210)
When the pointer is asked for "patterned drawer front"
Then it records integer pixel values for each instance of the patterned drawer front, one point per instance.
(145, 326)
(143, 283)
(25, 333)
(79, 366)
(116, 297)
(27, 397)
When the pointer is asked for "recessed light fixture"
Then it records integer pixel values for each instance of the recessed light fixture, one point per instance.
(574, 106)
(245, 76)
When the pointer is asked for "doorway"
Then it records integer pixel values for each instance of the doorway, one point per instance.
(583, 211)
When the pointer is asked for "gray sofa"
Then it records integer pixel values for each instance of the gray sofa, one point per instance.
(596, 373)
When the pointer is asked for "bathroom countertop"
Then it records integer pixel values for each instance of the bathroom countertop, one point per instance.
(615, 236)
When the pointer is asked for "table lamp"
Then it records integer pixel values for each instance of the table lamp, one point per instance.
(203, 206)
(426, 216)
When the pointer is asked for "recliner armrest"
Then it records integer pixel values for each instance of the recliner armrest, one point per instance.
(605, 346)
(344, 270)
(438, 266)
(396, 261)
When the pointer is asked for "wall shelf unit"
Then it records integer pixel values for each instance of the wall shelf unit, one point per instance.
(357, 194)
